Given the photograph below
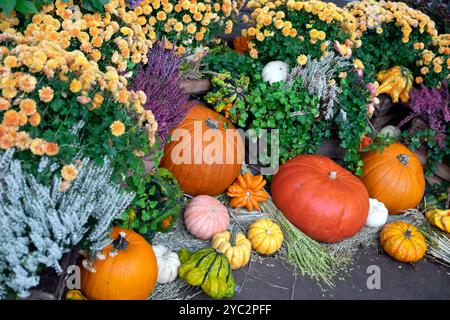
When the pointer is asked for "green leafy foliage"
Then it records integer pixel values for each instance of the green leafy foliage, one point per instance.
(351, 129)
(22, 6)
(438, 151)
(291, 110)
(227, 94)
(94, 5)
(224, 59)
(157, 203)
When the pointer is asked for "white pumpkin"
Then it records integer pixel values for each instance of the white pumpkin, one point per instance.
(275, 71)
(393, 132)
(378, 214)
(168, 264)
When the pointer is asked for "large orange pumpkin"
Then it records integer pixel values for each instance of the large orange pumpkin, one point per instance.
(204, 156)
(127, 270)
(321, 198)
(394, 177)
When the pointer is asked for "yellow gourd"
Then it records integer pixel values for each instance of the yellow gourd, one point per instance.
(265, 236)
(440, 219)
(234, 245)
(397, 82)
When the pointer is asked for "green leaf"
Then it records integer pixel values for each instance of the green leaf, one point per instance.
(26, 7)
(145, 216)
(8, 6)
(153, 204)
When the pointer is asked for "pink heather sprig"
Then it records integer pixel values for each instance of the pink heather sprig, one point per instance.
(430, 105)
(160, 79)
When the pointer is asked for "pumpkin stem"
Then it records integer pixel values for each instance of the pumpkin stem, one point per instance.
(213, 124)
(403, 158)
(120, 243)
(234, 232)
(332, 174)
(407, 234)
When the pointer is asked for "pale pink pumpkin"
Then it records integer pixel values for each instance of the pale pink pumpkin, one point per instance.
(205, 216)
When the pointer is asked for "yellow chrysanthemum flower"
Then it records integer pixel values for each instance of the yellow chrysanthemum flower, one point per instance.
(117, 128)
(69, 172)
(75, 86)
(302, 59)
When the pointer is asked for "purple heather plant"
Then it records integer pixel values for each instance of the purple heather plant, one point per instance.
(160, 79)
(134, 3)
(430, 105)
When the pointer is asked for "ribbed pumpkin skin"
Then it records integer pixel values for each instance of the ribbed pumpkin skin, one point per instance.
(265, 236)
(238, 254)
(403, 242)
(210, 178)
(205, 216)
(398, 186)
(325, 209)
(130, 275)
(209, 269)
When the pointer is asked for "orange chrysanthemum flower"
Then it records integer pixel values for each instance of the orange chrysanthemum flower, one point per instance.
(69, 172)
(117, 128)
(51, 149)
(37, 146)
(11, 118)
(4, 104)
(124, 95)
(27, 83)
(27, 106)
(199, 36)
(23, 119)
(10, 62)
(161, 15)
(22, 140)
(46, 94)
(6, 142)
(35, 119)
(75, 86)
(97, 42)
(9, 92)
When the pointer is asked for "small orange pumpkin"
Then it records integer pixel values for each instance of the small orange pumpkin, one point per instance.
(126, 271)
(403, 242)
(247, 191)
(394, 177)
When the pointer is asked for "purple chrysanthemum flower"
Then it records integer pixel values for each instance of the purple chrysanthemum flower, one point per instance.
(161, 79)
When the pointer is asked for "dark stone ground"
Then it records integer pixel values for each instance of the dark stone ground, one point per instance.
(271, 280)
